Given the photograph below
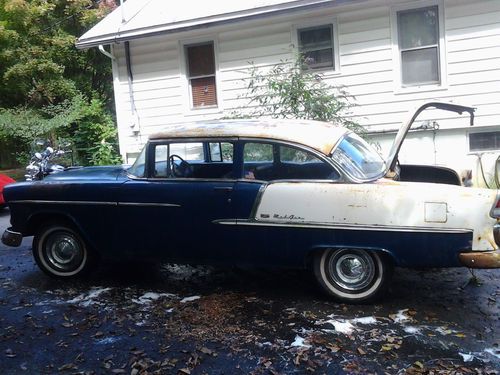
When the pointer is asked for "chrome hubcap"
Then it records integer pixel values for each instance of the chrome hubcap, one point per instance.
(64, 252)
(352, 269)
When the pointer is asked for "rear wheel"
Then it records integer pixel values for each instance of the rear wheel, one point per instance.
(352, 275)
(61, 252)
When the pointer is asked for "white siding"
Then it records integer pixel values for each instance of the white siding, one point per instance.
(367, 69)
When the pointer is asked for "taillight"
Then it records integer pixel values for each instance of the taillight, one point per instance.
(495, 211)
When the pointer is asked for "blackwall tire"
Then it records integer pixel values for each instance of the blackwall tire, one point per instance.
(352, 275)
(60, 252)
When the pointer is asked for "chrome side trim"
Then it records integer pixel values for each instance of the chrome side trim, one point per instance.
(138, 204)
(39, 201)
(97, 203)
(340, 226)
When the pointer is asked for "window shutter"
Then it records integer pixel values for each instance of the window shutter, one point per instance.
(203, 91)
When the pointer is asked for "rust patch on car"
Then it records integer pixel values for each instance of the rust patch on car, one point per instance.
(481, 259)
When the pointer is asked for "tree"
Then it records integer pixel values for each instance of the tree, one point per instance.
(292, 90)
(45, 81)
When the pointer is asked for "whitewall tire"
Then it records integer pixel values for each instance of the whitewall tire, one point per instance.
(352, 275)
(60, 252)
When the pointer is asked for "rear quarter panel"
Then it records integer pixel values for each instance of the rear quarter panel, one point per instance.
(440, 218)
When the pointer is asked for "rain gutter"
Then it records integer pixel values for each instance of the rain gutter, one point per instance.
(211, 21)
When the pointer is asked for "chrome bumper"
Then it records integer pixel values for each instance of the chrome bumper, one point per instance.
(481, 259)
(11, 238)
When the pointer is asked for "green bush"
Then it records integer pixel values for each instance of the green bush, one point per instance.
(292, 90)
(85, 125)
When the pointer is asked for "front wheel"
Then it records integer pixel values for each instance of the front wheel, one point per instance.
(61, 252)
(352, 275)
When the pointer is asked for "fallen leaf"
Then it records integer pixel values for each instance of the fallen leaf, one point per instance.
(418, 364)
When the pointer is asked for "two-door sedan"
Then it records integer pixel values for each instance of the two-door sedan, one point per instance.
(284, 193)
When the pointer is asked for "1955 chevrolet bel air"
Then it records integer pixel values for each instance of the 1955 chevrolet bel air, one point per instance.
(281, 193)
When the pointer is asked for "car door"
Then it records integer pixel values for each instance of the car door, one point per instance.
(173, 216)
(260, 240)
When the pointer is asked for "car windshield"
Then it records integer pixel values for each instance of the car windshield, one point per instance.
(358, 159)
(137, 169)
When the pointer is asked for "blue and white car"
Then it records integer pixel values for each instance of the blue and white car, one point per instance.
(297, 194)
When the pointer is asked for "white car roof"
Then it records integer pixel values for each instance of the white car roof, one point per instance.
(321, 136)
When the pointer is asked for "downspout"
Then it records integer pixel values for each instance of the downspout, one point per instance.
(135, 117)
(133, 109)
(130, 78)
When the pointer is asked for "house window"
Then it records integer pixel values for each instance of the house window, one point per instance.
(316, 45)
(484, 141)
(419, 49)
(201, 74)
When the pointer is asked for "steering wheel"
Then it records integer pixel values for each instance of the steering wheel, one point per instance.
(184, 169)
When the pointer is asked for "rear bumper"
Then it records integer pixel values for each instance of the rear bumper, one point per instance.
(11, 238)
(480, 259)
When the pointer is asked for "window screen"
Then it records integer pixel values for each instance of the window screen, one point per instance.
(316, 46)
(418, 35)
(201, 74)
(484, 141)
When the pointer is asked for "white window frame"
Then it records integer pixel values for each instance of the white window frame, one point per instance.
(442, 84)
(318, 22)
(186, 85)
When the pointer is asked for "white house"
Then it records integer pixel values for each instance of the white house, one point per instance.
(190, 60)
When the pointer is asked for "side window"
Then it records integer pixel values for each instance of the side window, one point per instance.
(294, 155)
(418, 33)
(203, 160)
(258, 152)
(161, 156)
(267, 161)
(187, 151)
(181, 154)
(221, 152)
(304, 165)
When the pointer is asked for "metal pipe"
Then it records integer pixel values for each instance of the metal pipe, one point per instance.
(105, 53)
(135, 117)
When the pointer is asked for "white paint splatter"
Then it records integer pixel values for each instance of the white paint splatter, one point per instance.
(467, 357)
(107, 340)
(149, 297)
(190, 299)
(412, 330)
(340, 326)
(365, 320)
(495, 352)
(87, 299)
(299, 342)
(347, 326)
(445, 331)
(400, 317)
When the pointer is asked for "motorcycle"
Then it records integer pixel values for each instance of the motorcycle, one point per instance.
(41, 164)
